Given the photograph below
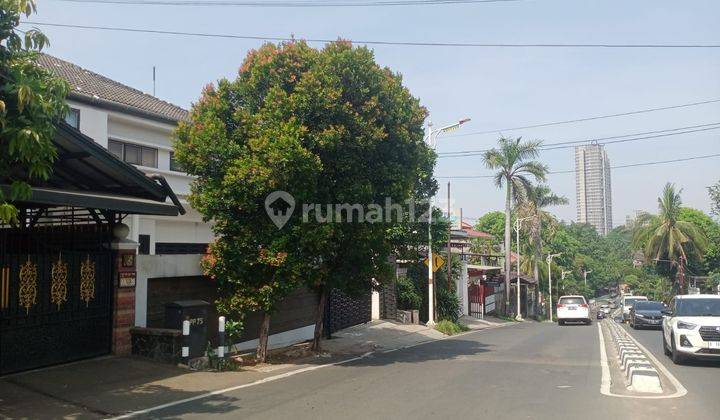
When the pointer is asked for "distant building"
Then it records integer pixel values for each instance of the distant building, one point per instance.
(630, 219)
(593, 187)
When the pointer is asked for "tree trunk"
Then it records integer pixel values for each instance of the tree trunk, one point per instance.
(507, 246)
(261, 352)
(319, 319)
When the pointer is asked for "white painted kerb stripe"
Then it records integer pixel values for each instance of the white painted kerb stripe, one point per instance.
(605, 381)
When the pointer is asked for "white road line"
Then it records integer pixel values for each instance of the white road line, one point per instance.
(234, 388)
(291, 373)
(605, 379)
(606, 382)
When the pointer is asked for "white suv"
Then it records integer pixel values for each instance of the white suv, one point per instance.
(691, 327)
(573, 309)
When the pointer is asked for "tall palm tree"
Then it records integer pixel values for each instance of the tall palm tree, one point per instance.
(513, 160)
(663, 237)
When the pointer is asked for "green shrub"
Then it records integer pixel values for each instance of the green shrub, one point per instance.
(448, 305)
(408, 297)
(450, 328)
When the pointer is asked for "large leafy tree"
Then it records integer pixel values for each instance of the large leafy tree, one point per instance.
(329, 127)
(513, 161)
(711, 258)
(665, 238)
(32, 101)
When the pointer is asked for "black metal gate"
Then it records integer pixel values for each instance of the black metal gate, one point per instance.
(55, 295)
(344, 311)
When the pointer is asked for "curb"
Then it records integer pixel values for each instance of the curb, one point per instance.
(640, 373)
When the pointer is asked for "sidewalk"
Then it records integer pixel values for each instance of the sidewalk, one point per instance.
(108, 386)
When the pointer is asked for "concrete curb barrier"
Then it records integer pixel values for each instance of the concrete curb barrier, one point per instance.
(640, 373)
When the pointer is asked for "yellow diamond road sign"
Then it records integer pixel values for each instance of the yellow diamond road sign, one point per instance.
(438, 262)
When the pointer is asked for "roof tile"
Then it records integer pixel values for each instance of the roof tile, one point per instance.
(92, 86)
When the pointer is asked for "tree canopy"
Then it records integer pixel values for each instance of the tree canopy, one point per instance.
(329, 127)
(32, 102)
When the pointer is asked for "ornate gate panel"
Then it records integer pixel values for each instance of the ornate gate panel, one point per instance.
(55, 295)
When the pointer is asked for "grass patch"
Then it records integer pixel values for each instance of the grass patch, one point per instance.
(450, 328)
(507, 318)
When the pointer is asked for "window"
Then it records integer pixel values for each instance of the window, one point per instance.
(144, 248)
(174, 164)
(73, 117)
(132, 153)
(572, 301)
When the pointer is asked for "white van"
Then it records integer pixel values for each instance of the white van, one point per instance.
(627, 303)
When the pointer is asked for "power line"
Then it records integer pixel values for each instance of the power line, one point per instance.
(621, 114)
(370, 42)
(287, 4)
(630, 165)
(575, 143)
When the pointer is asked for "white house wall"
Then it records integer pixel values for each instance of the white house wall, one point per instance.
(93, 123)
(154, 266)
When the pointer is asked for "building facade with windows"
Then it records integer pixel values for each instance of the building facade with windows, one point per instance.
(137, 128)
(593, 187)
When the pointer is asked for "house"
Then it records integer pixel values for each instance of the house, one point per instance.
(67, 271)
(137, 128)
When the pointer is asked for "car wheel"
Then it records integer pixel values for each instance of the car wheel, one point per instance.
(666, 350)
(561, 322)
(632, 325)
(677, 358)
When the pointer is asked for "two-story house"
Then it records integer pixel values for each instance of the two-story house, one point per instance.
(137, 128)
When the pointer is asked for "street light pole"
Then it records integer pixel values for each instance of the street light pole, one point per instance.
(431, 138)
(549, 263)
(585, 273)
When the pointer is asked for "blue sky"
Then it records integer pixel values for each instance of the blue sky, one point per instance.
(495, 87)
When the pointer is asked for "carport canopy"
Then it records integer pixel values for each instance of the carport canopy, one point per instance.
(86, 176)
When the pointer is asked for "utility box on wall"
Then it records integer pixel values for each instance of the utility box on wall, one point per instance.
(197, 313)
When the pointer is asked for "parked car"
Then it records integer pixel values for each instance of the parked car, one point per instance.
(573, 309)
(627, 303)
(691, 327)
(646, 314)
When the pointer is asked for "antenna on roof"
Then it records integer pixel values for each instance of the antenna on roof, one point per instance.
(153, 80)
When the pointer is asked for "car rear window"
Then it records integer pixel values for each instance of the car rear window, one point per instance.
(571, 301)
(631, 302)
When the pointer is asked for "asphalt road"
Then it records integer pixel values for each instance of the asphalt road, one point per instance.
(523, 371)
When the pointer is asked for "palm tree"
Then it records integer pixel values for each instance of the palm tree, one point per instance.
(534, 202)
(513, 161)
(663, 237)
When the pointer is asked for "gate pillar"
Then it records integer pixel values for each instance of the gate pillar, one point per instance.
(124, 277)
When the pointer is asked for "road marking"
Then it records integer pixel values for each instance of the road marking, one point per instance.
(605, 379)
(234, 388)
(293, 373)
(606, 382)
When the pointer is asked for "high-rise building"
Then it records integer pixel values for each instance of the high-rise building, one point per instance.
(593, 188)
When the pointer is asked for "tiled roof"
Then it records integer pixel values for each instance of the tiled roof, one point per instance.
(87, 86)
(472, 233)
